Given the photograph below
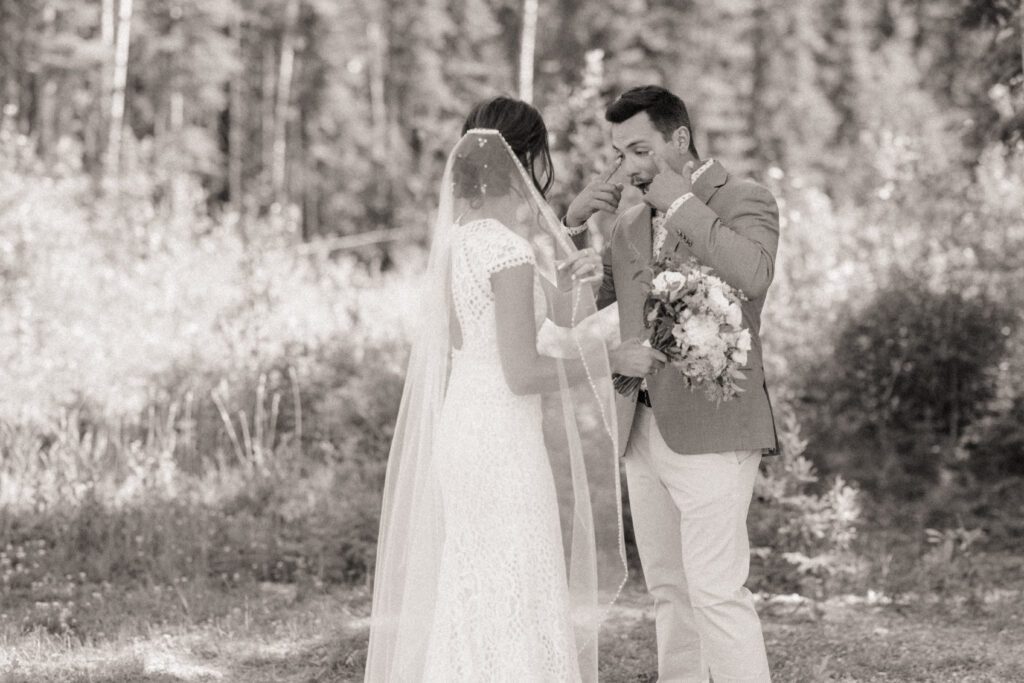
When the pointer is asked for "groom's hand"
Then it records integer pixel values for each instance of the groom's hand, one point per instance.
(634, 358)
(597, 196)
(668, 185)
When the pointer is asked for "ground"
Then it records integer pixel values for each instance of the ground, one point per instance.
(263, 633)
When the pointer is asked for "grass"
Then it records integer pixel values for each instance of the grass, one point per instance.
(287, 633)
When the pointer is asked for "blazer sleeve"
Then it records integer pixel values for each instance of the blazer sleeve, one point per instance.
(606, 294)
(742, 250)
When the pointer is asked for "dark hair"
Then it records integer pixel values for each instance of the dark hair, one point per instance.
(523, 129)
(666, 111)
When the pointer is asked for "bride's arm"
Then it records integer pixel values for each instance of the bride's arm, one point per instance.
(525, 370)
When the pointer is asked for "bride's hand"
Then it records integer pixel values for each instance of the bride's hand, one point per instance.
(634, 358)
(584, 266)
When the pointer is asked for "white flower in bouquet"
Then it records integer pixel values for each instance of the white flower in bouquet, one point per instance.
(742, 347)
(715, 282)
(734, 316)
(718, 361)
(700, 331)
(718, 302)
(743, 341)
(668, 282)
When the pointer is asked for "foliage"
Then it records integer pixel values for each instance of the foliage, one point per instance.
(911, 372)
(342, 111)
(802, 530)
(132, 510)
(186, 401)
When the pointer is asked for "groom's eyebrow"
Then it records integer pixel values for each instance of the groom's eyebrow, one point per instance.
(632, 144)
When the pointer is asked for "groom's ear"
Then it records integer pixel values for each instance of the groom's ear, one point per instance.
(681, 139)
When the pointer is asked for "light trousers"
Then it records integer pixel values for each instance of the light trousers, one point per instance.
(690, 521)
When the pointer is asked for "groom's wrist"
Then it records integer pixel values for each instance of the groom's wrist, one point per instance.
(677, 204)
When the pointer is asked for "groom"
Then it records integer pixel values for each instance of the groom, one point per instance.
(690, 464)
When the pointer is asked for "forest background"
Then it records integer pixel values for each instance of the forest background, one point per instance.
(213, 215)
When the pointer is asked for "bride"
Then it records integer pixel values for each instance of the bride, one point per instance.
(500, 544)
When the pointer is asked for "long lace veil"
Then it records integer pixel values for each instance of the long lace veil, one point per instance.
(484, 178)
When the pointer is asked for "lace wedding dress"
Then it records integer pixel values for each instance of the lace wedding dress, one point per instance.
(502, 604)
(500, 545)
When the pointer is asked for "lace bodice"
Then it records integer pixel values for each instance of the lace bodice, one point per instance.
(480, 249)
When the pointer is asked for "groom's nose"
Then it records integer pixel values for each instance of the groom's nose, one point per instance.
(631, 167)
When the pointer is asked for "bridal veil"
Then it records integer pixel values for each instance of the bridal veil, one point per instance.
(484, 179)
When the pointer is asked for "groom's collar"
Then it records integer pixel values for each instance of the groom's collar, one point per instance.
(708, 182)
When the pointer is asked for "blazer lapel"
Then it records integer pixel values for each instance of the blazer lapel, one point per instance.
(640, 239)
(673, 245)
(631, 281)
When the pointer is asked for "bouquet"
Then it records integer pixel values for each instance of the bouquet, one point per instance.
(696, 321)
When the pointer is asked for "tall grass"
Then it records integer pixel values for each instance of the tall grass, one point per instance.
(184, 399)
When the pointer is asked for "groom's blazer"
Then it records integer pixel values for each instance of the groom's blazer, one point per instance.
(731, 225)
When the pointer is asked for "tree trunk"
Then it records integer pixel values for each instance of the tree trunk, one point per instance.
(757, 115)
(286, 68)
(9, 55)
(176, 118)
(46, 90)
(98, 122)
(120, 81)
(235, 122)
(377, 71)
(527, 48)
(380, 119)
(267, 120)
(179, 192)
(307, 179)
(107, 41)
(856, 74)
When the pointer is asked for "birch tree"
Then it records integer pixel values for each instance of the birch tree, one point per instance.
(120, 81)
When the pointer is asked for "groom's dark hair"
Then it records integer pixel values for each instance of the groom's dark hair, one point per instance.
(666, 111)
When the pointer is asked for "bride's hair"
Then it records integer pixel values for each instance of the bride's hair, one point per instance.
(523, 129)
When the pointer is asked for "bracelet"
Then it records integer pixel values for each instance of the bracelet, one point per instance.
(578, 230)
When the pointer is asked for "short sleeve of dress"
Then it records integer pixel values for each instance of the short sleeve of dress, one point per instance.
(503, 249)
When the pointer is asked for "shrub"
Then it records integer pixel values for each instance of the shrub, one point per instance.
(910, 373)
(801, 528)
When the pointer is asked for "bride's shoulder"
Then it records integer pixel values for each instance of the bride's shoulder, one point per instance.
(485, 226)
(492, 230)
(496, 243)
